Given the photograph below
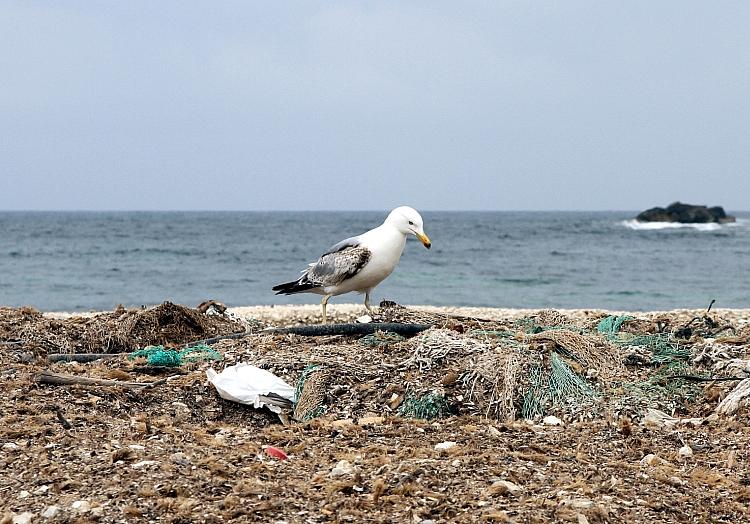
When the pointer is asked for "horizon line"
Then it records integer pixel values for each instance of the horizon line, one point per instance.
(509, 210)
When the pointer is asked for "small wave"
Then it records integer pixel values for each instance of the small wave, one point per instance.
(650, 226)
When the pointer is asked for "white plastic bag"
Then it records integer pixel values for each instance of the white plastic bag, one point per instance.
(251, 385)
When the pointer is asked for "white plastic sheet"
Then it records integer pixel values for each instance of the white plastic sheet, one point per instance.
(250, 385)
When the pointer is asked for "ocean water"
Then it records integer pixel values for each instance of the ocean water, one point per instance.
(79, 261)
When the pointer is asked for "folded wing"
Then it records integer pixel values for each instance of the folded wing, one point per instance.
(341, 262)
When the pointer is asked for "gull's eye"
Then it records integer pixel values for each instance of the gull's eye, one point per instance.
(411, 223)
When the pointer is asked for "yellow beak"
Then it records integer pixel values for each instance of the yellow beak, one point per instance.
(424, 239)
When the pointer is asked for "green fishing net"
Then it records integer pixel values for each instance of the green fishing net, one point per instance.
(160, 356)
(555, 386)
(427, 407)
(380, 339)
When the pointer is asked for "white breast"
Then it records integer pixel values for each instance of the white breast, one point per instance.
(386, 244)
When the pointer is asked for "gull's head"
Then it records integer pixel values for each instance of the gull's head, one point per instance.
(408, 222)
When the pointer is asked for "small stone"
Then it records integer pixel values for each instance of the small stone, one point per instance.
(180, 459)
(82, 506)
(653, 460)
(677, 481)
(343, 468)
(370, 421)
(551, 420)
(23, 518)
(23, 494)
(494, 432)
(41, 490)
(657, 419)
(580, 503)
(685, 451)
(364, 319)
(10, 446)
(51, 512)
(504, 487)
(137, 447)
(442, 446)
(144, 463)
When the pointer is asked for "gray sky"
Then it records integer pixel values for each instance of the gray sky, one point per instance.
(368, 105)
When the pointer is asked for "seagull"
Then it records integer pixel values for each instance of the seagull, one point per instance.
(359, 263)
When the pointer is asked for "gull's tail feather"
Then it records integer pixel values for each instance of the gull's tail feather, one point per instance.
(296, 286)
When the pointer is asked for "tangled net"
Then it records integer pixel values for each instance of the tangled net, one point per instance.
(160, 356)
(428, 406)
(435, 346)
(310, 393)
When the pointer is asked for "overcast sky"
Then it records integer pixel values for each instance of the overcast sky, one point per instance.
(368, 105)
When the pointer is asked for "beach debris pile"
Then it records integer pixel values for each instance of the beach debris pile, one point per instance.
(121, 330)
(582, 416)
(544, 364)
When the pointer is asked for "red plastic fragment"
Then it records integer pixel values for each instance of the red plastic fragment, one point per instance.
(276, 453)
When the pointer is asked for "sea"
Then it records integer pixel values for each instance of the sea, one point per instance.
(84, 261)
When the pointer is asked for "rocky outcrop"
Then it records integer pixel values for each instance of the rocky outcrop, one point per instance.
(686, 214)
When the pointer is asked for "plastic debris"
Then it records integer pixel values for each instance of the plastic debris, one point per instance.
(253, 386)
(275, 453)
(343, 468)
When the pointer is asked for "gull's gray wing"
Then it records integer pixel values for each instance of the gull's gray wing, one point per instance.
(342, 261)
(347, 242)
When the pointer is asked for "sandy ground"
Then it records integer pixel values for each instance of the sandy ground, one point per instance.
(307, 313)
(177, 452)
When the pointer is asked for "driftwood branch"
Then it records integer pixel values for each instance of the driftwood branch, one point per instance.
(406, 330)
(56, 379)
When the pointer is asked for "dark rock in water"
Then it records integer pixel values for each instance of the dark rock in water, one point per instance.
(686, 214)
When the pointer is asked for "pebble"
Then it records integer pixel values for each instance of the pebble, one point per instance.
(368, 421)
(442, 446)
(144, 463)
(23, 518)
(579, 503)
(364, 319)
(551, 420)
(10, 446)
(181, 459)
(23, 494)
(51, 512)
(494, 432)
(652, 460)
(503, 487)
(343, 468)
(81, 506)
(685, 451)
